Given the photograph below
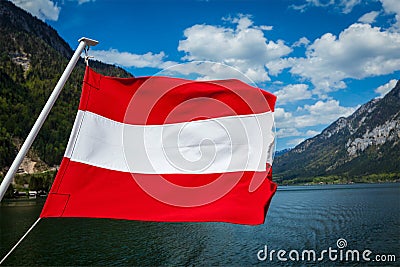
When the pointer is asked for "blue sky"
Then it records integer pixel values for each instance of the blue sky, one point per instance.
(322, 58)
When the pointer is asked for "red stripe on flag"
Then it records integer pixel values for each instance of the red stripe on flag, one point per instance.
(162, 100)
(100, 193)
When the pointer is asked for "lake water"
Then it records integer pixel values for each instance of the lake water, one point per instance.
(300, 218)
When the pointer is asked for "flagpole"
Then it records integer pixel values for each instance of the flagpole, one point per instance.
(83, 43)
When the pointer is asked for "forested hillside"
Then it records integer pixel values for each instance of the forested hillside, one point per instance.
(32, 58)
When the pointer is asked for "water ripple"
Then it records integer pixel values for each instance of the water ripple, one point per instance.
(367, 216)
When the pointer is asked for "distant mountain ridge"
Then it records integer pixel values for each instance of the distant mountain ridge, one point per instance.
(32, 58)
(281, 152)
(365, 143)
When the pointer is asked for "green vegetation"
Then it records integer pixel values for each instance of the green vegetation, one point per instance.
(32, 58)
(342, 179)
(36, 182)
(24, 93)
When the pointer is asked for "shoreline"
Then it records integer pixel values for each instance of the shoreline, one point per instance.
(24, 199)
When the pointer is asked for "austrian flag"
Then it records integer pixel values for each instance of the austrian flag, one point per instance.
(167, 149)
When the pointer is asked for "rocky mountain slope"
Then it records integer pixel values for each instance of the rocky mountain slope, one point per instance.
(365, 143)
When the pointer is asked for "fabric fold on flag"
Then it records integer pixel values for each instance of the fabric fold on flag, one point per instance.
(167, 149)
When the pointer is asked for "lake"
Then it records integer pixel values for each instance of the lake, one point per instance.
(363, 217)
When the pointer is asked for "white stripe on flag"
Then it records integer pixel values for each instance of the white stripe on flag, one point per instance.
(226, 144)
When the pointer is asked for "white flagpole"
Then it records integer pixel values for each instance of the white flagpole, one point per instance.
(83, 42)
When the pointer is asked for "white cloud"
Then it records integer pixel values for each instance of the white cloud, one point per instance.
(287, 132)
(80, 2)
(294, 142)
(323, 112)
(276, 66)
(126, 59)
(293, 132)
(302, 41)
(244, 47)
(42, 9)
(244, 21)
(301, 8)
(283, 119)
(295, 125)
(329, 109)
(206, 70)
(320, 113)
(392, 7)
(384, 89)
(320, 3)
(312, 133)
(264, 28)
(293, 93)
(345, 6)
(369, 17)
(359, 51)
(348, 5)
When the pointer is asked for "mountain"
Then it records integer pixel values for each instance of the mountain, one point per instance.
(32, 58)
(365, 145)
(281, 152)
